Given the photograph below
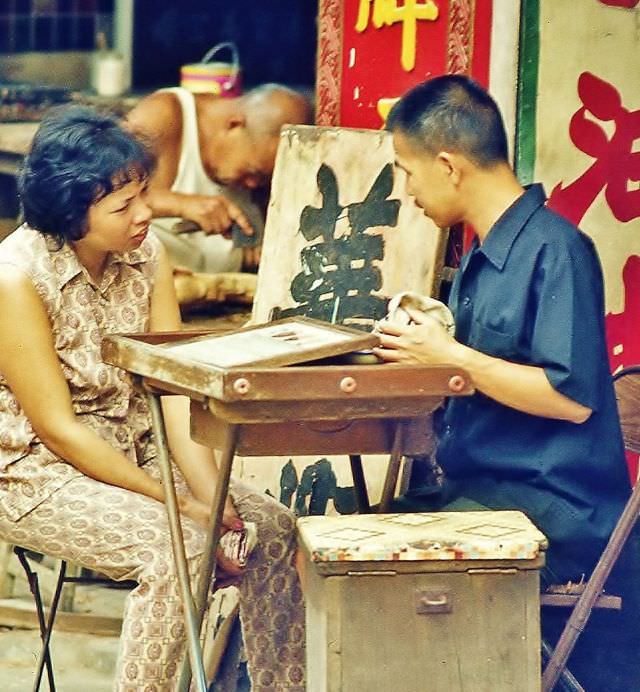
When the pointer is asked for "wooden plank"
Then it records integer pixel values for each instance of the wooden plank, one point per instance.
(331, 409)
(178, 374)
(381, 381)
(368, 436)
(567, 600)
(15, 613)
(374, 636)
(342, 235)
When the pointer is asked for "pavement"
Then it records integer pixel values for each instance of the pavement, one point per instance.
(81, 662)
(85, 661)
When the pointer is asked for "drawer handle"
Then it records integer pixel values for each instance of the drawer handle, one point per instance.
(429, 601)
(328, 426)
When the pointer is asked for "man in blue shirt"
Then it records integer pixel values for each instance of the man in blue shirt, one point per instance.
(542, 433)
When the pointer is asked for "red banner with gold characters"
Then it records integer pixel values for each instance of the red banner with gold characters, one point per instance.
(370, 52)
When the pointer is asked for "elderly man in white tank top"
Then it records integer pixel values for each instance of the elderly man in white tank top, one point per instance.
(212, 153)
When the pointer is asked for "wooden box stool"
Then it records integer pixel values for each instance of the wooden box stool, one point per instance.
(440, 601)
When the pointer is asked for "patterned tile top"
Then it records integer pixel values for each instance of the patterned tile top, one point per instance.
(426, 536)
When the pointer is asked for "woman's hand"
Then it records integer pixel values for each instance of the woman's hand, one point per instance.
(200, 513)
(197, 511)
(231, 520)
(228, 571)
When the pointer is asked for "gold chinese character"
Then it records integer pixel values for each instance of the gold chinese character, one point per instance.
(384, 106)
(389, 12)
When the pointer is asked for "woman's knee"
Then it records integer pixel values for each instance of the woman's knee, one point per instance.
(273, 520)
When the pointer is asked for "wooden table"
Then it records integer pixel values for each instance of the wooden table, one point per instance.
(324, 409)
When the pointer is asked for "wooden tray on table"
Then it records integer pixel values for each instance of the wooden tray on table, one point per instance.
(243, 377)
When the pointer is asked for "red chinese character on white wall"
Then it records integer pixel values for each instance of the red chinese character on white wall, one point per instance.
(616, 168)
(620, 3)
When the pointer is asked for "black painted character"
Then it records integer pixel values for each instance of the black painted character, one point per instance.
(339, 276)
(316, 487)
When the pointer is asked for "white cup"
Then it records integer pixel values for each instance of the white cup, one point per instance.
(108, 74)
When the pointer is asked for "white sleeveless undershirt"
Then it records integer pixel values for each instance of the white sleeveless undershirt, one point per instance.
(198, 251)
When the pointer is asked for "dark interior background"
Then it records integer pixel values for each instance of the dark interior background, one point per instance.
(276, 39)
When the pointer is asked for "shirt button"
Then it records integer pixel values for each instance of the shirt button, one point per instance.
(466, 301)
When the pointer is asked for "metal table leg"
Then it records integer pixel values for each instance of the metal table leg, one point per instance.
(192, 622)
(211, 545)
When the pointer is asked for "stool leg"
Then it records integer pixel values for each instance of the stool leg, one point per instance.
(45, 632)
(584, 605)
(567, 679)
(53, 609)
(391, 479)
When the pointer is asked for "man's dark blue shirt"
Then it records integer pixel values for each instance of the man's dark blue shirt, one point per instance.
(532, 293)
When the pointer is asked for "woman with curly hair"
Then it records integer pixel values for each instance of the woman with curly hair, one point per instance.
(78, 472)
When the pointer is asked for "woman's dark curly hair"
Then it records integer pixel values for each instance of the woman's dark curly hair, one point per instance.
(76, 158)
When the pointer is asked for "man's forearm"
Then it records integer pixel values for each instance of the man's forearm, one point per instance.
(165, 203)
(522, 387)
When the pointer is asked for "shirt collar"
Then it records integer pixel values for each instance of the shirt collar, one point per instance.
(67, 265)
(505, 230)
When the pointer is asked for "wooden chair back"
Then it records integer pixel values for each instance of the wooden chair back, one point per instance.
(627, 386)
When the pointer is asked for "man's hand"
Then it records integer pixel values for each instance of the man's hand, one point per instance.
(251, 258)
(214, 214)
(425, 342)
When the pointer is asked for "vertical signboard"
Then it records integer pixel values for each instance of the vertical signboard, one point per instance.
(372, 51)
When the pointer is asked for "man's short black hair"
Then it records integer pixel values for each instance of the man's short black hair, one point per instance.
(452, 113)
(76, 158)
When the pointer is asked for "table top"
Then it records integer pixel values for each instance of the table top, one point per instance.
(377, 390)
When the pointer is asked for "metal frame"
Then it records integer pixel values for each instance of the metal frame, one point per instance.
(46, 624)
(587, 599)
(193, 608)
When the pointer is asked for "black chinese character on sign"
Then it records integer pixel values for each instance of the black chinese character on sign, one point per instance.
(339, 275)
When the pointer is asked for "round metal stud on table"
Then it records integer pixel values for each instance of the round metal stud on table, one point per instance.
(456, 383)
(241, 385)
(348, 385)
